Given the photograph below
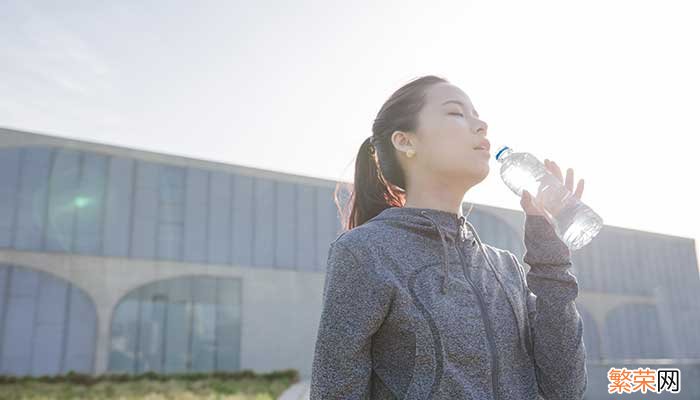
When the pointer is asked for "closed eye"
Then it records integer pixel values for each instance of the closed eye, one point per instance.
(457, 114)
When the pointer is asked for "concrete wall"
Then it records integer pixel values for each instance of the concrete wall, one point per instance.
(280, 308)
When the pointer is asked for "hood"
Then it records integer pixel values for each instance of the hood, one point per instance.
(448, 226)
(425, 221)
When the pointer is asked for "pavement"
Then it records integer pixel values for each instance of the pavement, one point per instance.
(298, 391)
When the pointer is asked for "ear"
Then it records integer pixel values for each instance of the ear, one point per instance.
(403, 141)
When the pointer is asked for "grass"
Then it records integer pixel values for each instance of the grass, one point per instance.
(236, 386)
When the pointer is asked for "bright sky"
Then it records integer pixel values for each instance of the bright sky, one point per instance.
(609, 88)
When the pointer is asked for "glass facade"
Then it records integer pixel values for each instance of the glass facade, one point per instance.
(496, 232)
(65, 200)
(634, 332)
(47, 325)
(189, 324)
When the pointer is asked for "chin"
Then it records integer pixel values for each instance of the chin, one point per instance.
(481, 173)
(474, 176)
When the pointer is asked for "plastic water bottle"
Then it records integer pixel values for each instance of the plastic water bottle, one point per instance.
(574, 222)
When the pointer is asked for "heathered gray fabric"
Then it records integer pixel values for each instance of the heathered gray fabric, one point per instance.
(400, 319)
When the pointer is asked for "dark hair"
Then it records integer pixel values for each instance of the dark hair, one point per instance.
(379, 179)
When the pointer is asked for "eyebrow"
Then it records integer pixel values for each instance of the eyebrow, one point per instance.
(460, 103)
(454, 101)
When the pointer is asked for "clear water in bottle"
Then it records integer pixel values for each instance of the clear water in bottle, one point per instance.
(575, 223)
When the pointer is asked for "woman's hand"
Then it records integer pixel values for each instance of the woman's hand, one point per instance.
(532, 206)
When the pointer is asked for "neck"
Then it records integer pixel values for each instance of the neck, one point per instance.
(435, 195)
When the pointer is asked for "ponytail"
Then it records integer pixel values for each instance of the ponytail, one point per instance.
(371, 192)
(379, 178)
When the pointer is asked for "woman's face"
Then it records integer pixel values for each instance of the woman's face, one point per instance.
(448, 133)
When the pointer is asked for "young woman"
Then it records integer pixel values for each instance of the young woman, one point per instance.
(415, 306)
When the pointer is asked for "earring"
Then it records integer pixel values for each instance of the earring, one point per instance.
(410, 153)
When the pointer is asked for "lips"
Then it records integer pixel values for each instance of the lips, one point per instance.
(484, 145)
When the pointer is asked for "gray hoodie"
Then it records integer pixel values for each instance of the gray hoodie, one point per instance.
(415, 306)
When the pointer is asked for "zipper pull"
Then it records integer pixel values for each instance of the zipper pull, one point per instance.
(462, 231)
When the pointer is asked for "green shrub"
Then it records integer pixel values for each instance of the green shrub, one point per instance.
(239, 385)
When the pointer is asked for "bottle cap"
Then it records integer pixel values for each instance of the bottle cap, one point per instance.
(501, 151)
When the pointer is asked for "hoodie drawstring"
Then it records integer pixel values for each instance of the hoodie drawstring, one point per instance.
(446, 266)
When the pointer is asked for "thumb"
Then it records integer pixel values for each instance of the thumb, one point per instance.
(528, 204)
(525, 198)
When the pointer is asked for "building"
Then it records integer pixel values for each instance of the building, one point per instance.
(120, 260)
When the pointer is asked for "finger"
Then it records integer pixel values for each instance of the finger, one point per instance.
(557, 171)
(570, 179)
(528, 204)
(525, 200)
(579, 189)
(549, 165)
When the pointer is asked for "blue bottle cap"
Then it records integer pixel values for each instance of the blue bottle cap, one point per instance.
(501, 151)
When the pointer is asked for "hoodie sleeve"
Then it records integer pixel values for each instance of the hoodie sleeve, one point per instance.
(555, 324)
(355, 303)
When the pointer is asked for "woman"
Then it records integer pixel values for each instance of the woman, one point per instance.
(415, 306)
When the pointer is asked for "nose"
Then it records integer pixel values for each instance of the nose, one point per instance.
(483, 127)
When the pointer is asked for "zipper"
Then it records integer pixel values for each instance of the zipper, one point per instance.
(484, 318)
